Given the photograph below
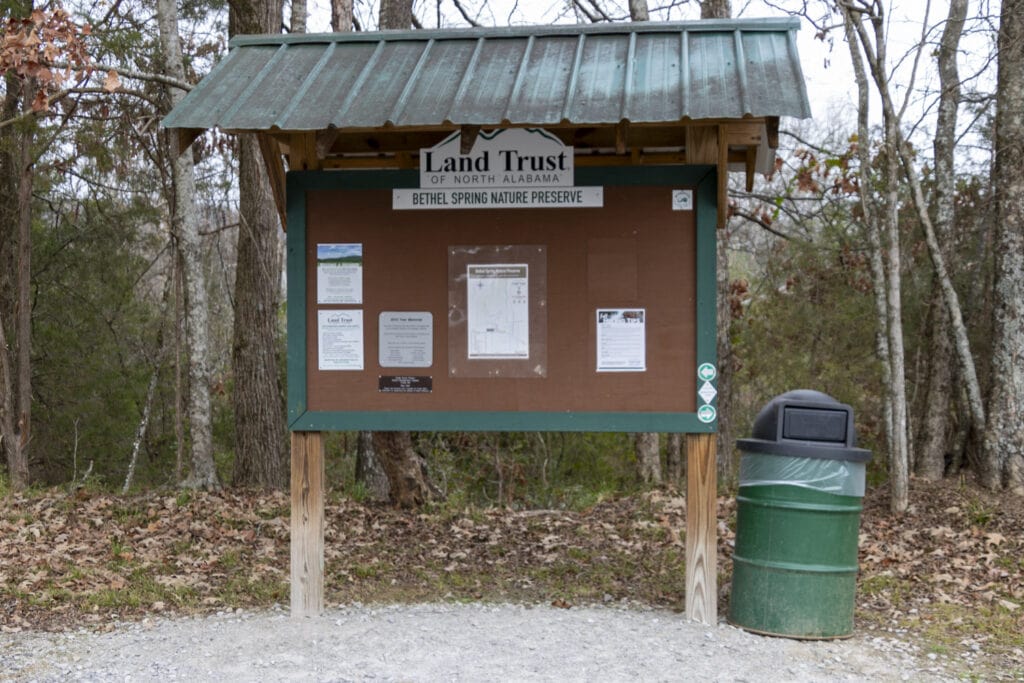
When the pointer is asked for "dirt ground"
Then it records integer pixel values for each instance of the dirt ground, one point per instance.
(947, 576)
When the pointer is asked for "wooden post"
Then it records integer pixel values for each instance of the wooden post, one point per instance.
(701, 521)
(307, 540)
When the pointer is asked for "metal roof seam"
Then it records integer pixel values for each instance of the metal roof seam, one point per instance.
(627, 86)
(520, 76)
(368, 68)
(203, 85)
(307, 83)
(684, 70)
(570, 91)
(741, 72)
(403, 99)
(251, 86)
(466, 79)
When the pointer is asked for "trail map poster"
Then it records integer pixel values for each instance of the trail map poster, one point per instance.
(498, 310)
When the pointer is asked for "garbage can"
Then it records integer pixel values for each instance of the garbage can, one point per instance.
(797, 519)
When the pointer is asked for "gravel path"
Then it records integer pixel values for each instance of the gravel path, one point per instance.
(447, 642)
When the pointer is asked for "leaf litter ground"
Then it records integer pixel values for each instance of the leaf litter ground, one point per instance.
(948, 575)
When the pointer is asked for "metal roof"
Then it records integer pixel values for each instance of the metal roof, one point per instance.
(650, 72)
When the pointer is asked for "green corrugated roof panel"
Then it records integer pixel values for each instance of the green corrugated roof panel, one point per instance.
(649, 72)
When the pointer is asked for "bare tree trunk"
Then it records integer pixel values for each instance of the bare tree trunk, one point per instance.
(404, 468)
(15, 302)
(674, 460)
(299, 16)
(185, 225)
(936, 424)
(890, 248)
(261, 457)
(140, 431)
(395, 14)
(715, 9)
(638, 10)
(1003, 454)
(341, 15)
(648, 457)
(369, 470)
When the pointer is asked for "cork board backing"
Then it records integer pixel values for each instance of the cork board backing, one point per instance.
(633, 252)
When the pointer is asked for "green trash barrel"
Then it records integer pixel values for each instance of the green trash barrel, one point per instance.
(797, 519)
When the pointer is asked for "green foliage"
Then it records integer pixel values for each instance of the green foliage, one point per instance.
(94, 331)
(810, 323)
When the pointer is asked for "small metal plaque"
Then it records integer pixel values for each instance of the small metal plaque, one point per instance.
(404, 384)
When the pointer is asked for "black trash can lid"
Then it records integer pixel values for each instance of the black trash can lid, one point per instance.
(805, 424)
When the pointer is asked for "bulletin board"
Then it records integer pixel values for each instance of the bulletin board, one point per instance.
(611, 309)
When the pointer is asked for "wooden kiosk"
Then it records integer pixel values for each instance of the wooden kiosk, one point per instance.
(505, 229)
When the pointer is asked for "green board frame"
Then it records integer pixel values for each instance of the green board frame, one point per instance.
(702, 177)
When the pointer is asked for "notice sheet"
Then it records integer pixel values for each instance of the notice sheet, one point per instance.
(339, 273)
(340, 336)
(621, 340)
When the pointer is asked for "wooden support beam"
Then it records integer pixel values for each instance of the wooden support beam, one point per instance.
(325, 140)
(701, 527)
(723, 177)
(622, 137)
(467, 138)
(184, 137)
(701, 145)
(274, 163)
(302, 154)
(771, 125)
(307, 526)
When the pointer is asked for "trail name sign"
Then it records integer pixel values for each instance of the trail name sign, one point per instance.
(505, 169)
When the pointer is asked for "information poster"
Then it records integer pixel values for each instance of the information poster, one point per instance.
(621, 340)
(406, 339)
(340, 336)
(339, 273)
(497, 310)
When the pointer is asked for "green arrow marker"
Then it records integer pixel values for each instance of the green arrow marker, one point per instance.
(706, 414)
(707, 372)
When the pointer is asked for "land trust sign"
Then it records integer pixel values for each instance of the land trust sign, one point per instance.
(506, 169)
(513, 157)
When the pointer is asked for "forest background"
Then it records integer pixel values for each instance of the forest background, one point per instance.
(141, 314)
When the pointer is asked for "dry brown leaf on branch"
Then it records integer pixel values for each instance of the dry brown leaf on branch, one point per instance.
(111, 82)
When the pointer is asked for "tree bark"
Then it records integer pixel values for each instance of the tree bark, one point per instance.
(648, 458)
(936, 423)
(404, 468)
(184, 221)
(395, 14)
(299, 16)
(638, 10)
(15, 283)
(261, 457)
(674, 460)
(341, 15)
(715, 9)
(1003, 450)
(369, 470)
